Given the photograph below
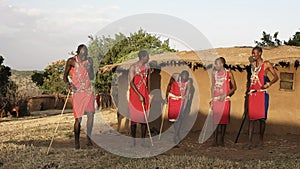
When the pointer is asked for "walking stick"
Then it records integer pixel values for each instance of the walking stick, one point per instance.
(147, 124)
(62, 112)
(242, 124)
(162, 120)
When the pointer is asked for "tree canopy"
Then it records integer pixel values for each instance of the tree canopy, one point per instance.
(108, 50)
(5, 73)
(269, 40)
(294, 41)
(273, 41)
(50, 81)
(8, 89)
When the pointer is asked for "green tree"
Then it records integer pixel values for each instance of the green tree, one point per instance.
(5, 73)
(12, 94)
(50, 81)
(8, 88)
(107, 50)
(269, 40)
(294, 41)
(38, 78)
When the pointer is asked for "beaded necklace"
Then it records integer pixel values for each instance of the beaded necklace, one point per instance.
(220, 79)
(254, 74)
(143, 75)
(85, 80)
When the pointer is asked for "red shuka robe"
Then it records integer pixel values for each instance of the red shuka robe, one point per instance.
(258, 101)
(221, 109)
(176, 98)
(140, 80)
(82, 98)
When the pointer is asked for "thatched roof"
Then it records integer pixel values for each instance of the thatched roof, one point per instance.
(237, 56)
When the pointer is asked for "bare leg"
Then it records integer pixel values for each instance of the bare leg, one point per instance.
(90, 123)
(133, 133)
(251, 127)
(223, 131)
(177, 125)
(144, 129)
(216, 136)
(262, 127)
(77, 132)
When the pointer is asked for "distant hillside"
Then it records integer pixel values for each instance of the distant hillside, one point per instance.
(25, 85)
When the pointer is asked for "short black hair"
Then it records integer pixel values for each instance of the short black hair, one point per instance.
(80, 47)
(185, 72)
(222, 60)
(257, 48)
(142, 54)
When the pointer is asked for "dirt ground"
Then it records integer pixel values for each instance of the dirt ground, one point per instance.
(24, 142)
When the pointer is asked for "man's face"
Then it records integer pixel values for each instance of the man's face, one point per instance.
(218, 65)
(145, 59)
(184, 77)
(83, 53)
(256, 54)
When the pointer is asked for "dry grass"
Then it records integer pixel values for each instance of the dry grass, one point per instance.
(24, 143)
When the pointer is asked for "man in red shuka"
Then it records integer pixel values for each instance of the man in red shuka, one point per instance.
(139, 94)
(177, 97)
(258, 98)
(223, 87)
(80, 67)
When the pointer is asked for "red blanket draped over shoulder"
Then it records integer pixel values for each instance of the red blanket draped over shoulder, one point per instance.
(135, 106)
(221, 109)
(83, 98)
(176, 96)
(256, 100)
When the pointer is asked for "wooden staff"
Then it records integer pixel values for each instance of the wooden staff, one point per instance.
(162, 119)
(147, 123)
(62, 112)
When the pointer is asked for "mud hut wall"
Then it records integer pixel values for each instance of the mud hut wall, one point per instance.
(122, 100)
(35, 103)
(165, 74)
(48, 102)
(61, 102)
(283, 116)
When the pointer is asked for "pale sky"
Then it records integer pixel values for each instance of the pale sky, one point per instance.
(34, 33)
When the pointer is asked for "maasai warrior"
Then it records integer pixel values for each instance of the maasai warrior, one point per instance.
(80, 68)
(139, 94)
(223, 87)
(258, 98)
(177, 96)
